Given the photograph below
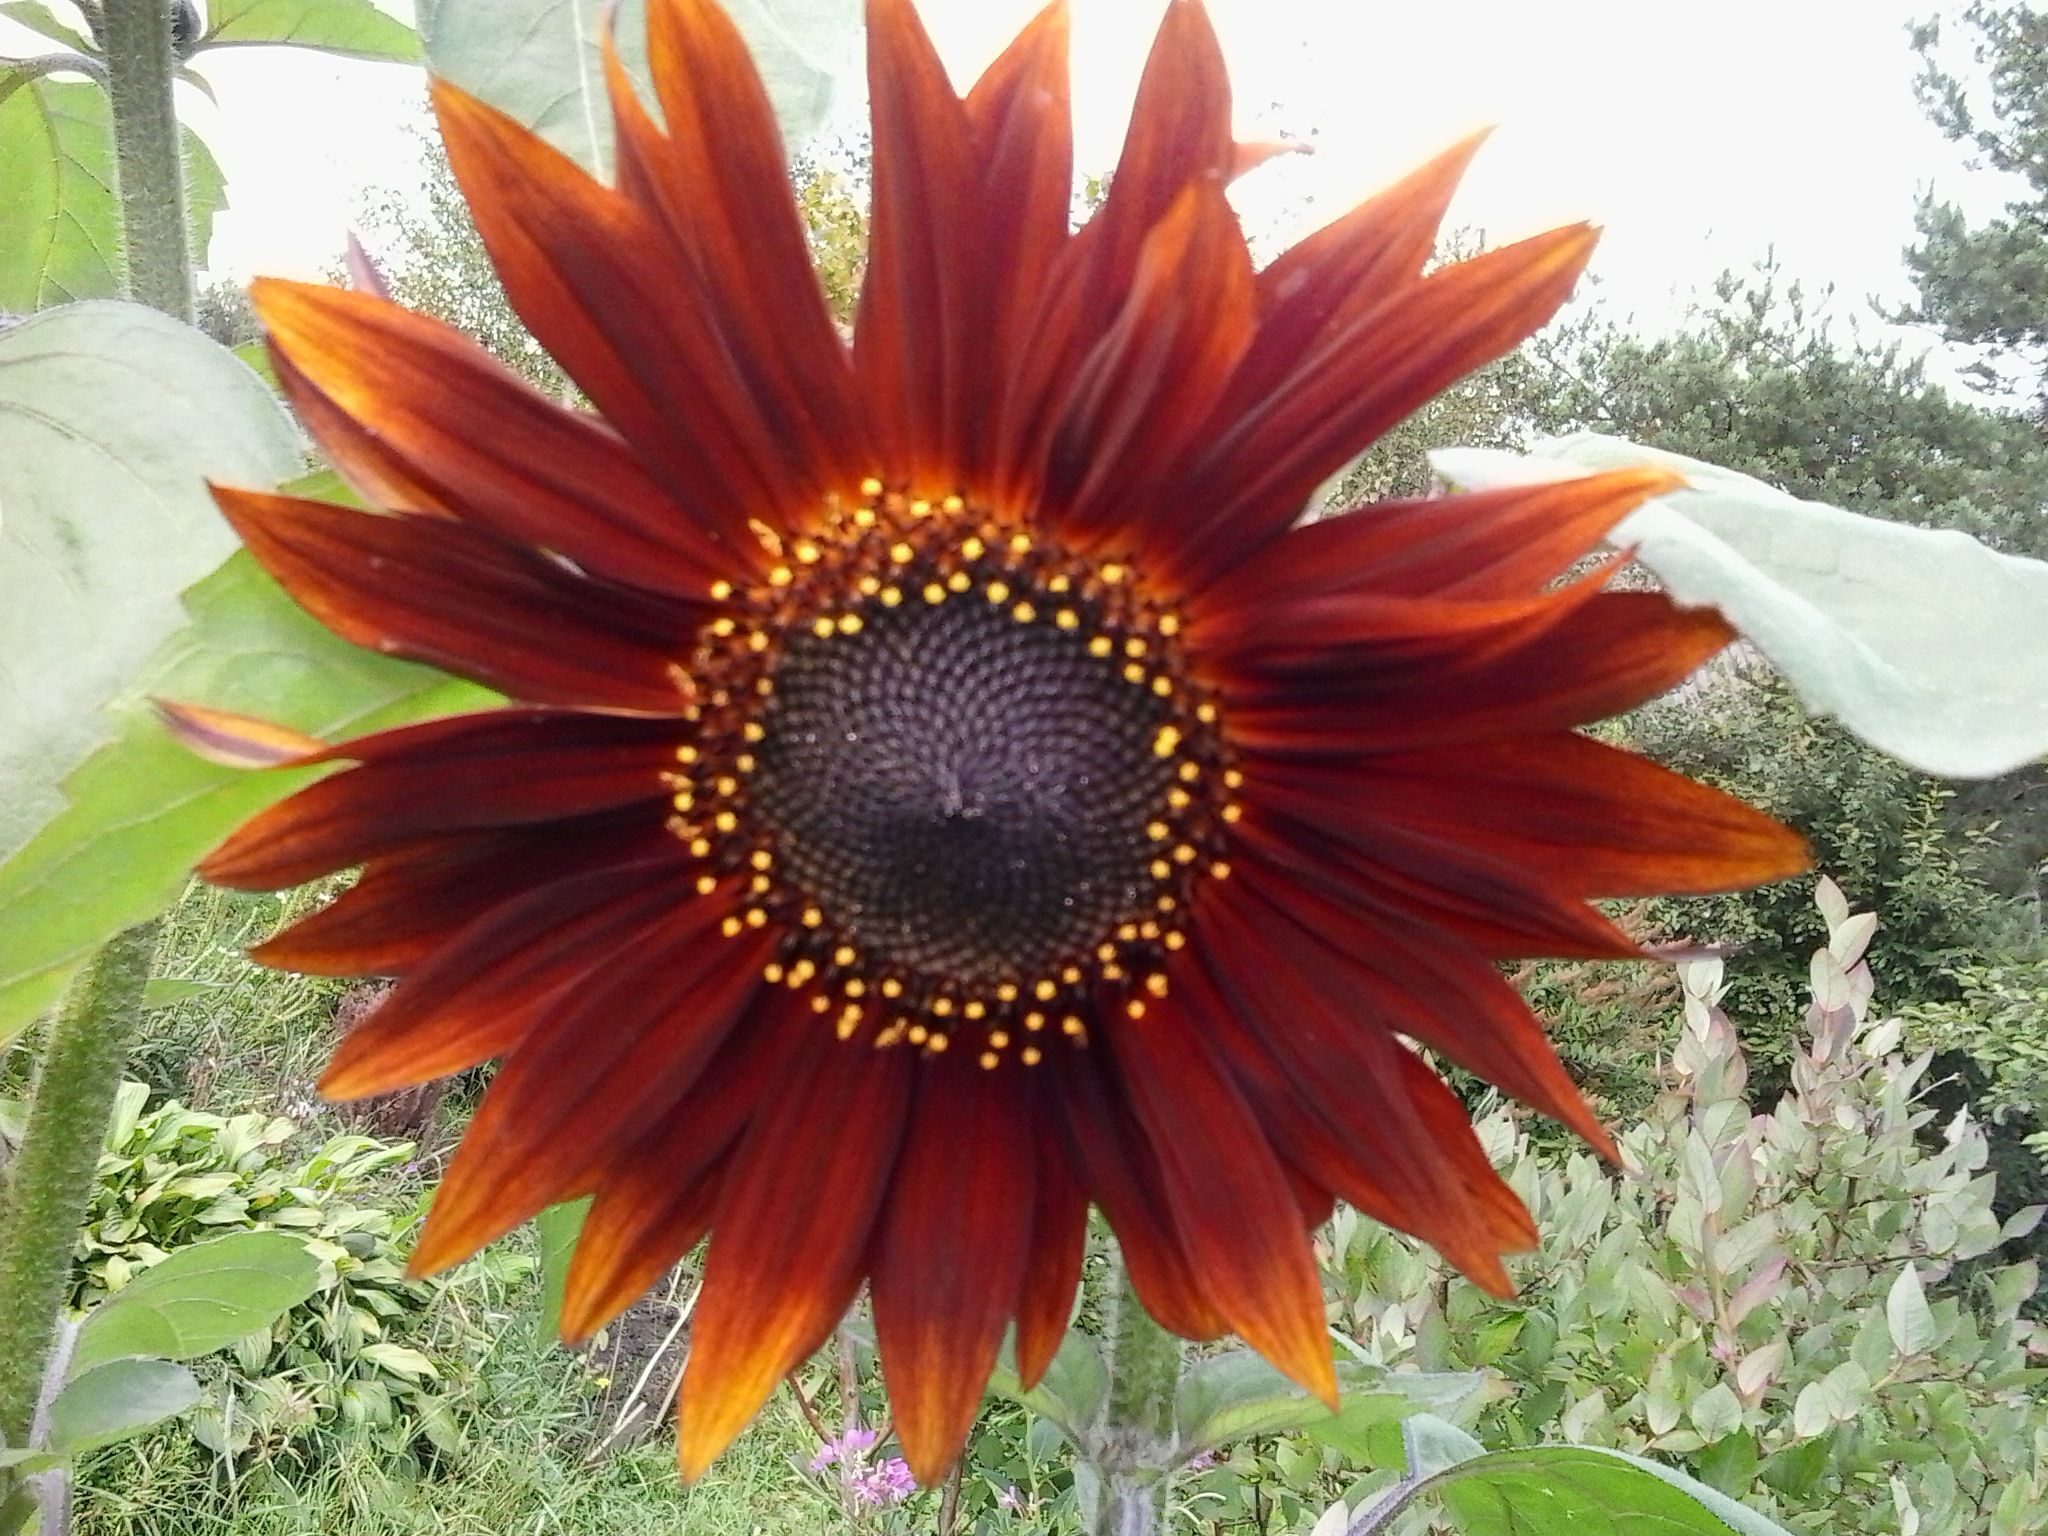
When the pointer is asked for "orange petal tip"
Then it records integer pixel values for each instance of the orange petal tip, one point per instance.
(235, 741)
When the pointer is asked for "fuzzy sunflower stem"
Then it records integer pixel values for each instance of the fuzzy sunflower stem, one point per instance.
(148, 153)
(50, 1180)
(1137, 1437)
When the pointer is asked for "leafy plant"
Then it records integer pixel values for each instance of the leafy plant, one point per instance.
(1798, 1302)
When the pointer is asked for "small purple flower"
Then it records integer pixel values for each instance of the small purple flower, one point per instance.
(889, 1483)
(850, 1447)
(1201, 1463)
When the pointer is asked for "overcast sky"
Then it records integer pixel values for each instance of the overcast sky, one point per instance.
(1698, 135)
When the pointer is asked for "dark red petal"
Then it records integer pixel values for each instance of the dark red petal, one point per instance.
(1232, 1204)
(656, 1195)
(1179, 134)
(1369, 374)
(719, 183)
(466, 601)
(509, 767)
(1409, 1132)
(950, 1251)
(1402, 978)
(408, 904)
(419, 418)
(1023, 132)
(594, 1071)
(1503, 909)
(1613, 652)
(1145, 390)
(1321, 283)
(1594, 820)
(586, 268)
(923, 300)
(795, 1216)
(480, 994)
(1118, 1169)
(1486, 546)
(1059, 1233)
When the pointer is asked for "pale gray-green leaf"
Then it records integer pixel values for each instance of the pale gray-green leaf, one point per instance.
(38, 17)
(200, 1299)
(1923, 642)
(112, 418)
(353, 28)
(117, 1400)
(539, 60)
(60, 221)
(1908, 1316)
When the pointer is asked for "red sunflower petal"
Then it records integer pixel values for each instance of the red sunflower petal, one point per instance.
(409, 904)
(1486, 546)
(1595, 820)
(1374, 371)
(950, 1251)
(1118, 1169)
(509, 767)
(925, 292)
(1318, 285)
(1232, 1205)
(419, 418)
(795, 1215)
(466, 601)
(719, 184)
(1059, 1234)
(480, 994)
(1410, 1132)
(586, 268)
(656, 1196)
(1146, 389)
(1612, 653)
(596, 1068)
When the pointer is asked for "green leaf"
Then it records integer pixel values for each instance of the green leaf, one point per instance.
(117, 1400)
(1577, 1490)
(1908, 1316)
(1072, 1391)
(60, 224)
(112, 418)
(1434, 1447)
(539, 61)
(1923, 642)
(143, 810)
(200, 1299)
(353, 28)
(1232, 1396)
(38, 17)
(400, 1361)
(164, 991)
(558, 1226)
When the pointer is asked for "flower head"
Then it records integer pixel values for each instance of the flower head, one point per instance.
(944, 788)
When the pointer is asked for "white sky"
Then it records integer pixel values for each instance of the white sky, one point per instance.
(1698, 135)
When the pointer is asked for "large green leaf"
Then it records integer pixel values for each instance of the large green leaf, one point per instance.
(539, 60)
(117, 1400)
(1922, 641)
(112, 418)
(60, 222)
(354, 28)
(143, 809)
(1553, 1490)
(558, 1227)
(200, 1299)
(38, 17)
(1232, 1396)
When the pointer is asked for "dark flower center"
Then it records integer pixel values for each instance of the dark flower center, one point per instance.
(965, 794)
(971, 776)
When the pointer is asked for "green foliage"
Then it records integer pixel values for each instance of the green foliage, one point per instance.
(1988, 283)
(60, 227)
(1794, 1301)
(353, 28)
(2000, 1022)
(364, 1359)
(1758, 381)
(1878, 828)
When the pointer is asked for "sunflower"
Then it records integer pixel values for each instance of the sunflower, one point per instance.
(944, 789)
